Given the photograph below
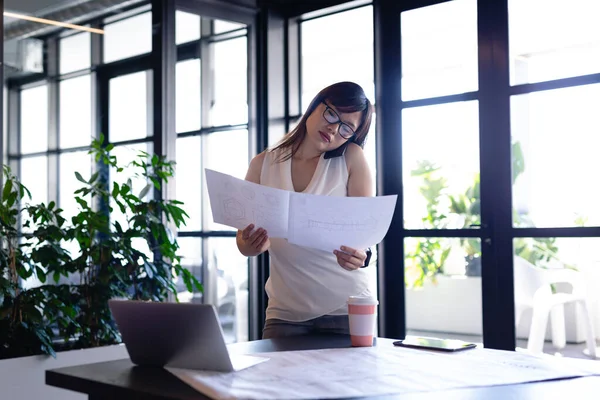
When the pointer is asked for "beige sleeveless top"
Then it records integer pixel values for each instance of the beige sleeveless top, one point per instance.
(307, 283)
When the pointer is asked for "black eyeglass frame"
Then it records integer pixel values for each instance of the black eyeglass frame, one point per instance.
(338, 121)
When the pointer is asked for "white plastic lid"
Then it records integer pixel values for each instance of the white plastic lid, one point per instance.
(363, 300)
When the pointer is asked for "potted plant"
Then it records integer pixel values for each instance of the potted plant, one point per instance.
(67, 308)
(425, 257)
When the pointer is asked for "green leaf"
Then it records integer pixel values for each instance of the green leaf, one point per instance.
(115, 190)
(79, 177)
(144, 191)
(94, 176)
(12, 199)
(40, 274)
(7, 190)
(81, 202)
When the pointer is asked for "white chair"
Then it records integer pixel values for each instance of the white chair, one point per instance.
(533, 290)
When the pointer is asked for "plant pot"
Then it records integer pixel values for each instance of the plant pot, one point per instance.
(452, 305)
(23, 378)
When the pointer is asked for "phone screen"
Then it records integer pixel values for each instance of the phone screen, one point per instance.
(434, 343)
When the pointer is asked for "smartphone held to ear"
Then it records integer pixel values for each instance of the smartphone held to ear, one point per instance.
(426, 343)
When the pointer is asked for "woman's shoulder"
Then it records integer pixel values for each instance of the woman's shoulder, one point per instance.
(255, 168)
(354, 154)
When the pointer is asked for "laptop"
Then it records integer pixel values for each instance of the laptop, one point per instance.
(177, 335)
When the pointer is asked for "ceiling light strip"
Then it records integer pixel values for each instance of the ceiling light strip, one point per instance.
(51, 22)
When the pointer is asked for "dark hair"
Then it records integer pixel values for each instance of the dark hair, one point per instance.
(346, 97)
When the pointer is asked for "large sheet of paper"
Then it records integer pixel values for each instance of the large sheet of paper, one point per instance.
(376, 371)
(239, 203)
(321, 222)
(328, 222)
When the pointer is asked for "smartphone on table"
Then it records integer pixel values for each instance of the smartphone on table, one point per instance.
(427, 343)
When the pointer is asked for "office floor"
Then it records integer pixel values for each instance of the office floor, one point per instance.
(573, 350)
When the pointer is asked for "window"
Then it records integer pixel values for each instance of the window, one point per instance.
(69, 163)
(232, 287)
(441, 169)
(201, 105)
(555, 146)
(234, 144)
(220, 26)
(75, 53)
(189, 180)
(127, 38)
(433, 304)
(125, 156)
(187, 27)
(34, 120)
(75, 115)
(187, 92)
(34, 175)
(439, 50)
(230, 101)
(540, 52)
(128, 107)
(440, 163)
(326, 59)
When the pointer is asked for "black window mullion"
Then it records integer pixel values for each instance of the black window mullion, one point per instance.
(496, 178)
(52, 67)
(572, 232)
(388, 70)
(407, 5)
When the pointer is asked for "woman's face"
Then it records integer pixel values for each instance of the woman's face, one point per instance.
(326, 135)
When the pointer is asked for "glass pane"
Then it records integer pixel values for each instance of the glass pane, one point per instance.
(75, 53)
(537, 259)
(75, 112)
(70, 163)
(190, 250)
(34, 176)
(128, 107)
(439, 50)
(187, 91)
(127, 38)
(350, 59)
(226, 152)
(221, 26)
(440, 161)
(443, 288)
(125, 155)
(555, 154)
(229, 106)
(231, 268)
(540, 52)
(34, 119)
(189, 180)
(187, 27)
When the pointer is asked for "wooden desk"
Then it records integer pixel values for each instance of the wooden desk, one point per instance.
(123, 380)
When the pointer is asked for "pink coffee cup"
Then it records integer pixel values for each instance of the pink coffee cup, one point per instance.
(362, 315)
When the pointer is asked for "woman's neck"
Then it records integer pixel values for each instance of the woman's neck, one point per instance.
(303, 153)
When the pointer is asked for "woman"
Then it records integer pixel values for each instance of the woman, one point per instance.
(323, 155)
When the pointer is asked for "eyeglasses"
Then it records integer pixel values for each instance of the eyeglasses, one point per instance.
(333, 118)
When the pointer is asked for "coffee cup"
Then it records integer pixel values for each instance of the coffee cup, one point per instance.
(362, 315)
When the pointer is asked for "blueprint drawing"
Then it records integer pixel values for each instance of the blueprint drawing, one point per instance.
(321, 222)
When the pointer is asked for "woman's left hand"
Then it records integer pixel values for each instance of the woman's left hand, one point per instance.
(350, 259)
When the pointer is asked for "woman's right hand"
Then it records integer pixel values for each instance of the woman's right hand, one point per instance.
(252, 243)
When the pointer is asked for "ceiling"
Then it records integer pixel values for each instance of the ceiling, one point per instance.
(32, 7)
